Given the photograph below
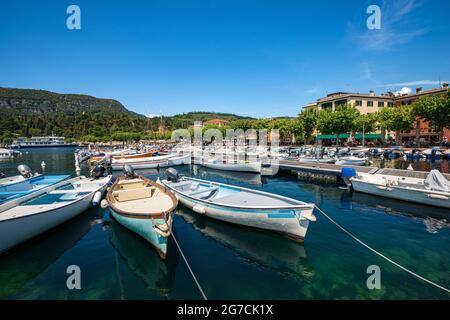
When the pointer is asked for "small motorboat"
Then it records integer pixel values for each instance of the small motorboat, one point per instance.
(433, 153)
(25, 174)
(352, 161)
(434, 190)
(324, 159)
(151, 162)
(144, 207)
(242, 166)
(178, 160)
(6, 153)
(242, 206)
(41, 210)
(413, 154)
(447, 154)
(27, 183)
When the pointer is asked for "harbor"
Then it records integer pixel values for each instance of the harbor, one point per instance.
(248, 263)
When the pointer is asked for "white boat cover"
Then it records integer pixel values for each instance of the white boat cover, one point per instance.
(436, 181)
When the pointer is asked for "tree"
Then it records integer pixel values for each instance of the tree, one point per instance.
(435, 109)
(396, 119)
(343, 120)
(308, 121)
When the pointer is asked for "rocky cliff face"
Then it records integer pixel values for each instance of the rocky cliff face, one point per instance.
(40, 101)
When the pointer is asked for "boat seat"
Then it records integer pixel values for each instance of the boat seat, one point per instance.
(131, 184)
(134, 194)
(210, 190)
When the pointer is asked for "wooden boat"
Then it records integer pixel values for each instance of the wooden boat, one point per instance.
(39, 211)
(140, 163)
(243, 166)
(432, 191)
(242, 206)
(143, 206)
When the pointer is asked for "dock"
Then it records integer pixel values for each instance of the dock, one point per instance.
(325, 171)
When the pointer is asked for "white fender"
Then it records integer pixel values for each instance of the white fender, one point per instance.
(104, 204)
(96, 199)
(199, 209)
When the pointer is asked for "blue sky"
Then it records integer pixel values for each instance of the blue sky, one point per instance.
(257, 58)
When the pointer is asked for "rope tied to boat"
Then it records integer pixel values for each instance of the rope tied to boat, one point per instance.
(190, 269)
(382, 255)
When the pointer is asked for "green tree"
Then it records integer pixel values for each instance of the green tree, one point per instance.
(308, 120)
(343, 120)
(396, 119)
(435, 109)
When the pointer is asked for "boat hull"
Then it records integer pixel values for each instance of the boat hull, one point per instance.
(140, 164)
(421, 197)
(16, 231)
(288, 222)
(145, 228)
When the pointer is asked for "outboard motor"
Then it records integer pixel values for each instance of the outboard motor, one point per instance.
(129, 172)
(25, 171)
(346, 174)
(98, 171)
(172, 175)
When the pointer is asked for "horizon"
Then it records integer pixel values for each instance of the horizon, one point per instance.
(263, 60)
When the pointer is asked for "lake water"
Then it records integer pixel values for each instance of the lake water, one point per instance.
(233, 262)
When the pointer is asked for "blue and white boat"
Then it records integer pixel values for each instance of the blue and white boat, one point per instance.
(242, 206)
(46, 207)
(26, 183)
(144, 207)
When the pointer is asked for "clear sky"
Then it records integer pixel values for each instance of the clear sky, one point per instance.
(258, 58)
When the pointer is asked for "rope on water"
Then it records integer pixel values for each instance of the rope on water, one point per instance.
(190, 270)
(383, 256)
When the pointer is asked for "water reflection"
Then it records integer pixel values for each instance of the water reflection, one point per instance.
(433, 218)
(142, 259)
(22, 264)
(264, 248)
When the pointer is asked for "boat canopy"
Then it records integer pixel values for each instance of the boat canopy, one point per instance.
(436, 181)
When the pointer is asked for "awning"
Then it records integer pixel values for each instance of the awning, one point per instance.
(332, 136)
(369, 136)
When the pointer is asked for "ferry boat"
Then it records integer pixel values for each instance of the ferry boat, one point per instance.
(41, 142)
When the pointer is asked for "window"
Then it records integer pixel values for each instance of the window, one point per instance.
(358, 103)
(380, 104)
(390, 104)
(370, 103)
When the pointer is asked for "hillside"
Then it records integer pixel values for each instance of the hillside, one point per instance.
(27, 112)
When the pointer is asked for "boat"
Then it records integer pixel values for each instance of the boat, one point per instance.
(413, 154)
(178, 160)
(140, 163)
(243, 166)
(30, 184)
(352, 161)
(433, 153)
(434, 190)
(28, 216)
(42, 142)
(144, 207)
(316, 160)
(242, 206)
(447, 154)
(25, 175)
(6, 153)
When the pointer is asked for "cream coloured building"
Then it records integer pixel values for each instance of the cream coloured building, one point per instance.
(365, 103)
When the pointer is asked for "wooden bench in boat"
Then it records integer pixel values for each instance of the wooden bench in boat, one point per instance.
(135, 194)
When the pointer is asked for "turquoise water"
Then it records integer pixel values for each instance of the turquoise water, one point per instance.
(233, 262)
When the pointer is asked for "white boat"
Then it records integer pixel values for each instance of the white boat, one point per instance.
(242, 206)
(433, 153)
(144, 207)
(6, 153)
(353, 161)
(42, 142)
(25, 175)
(118, 163)
(243, 166)
(178, 160)
(316, 160)
(35, 213)
(432, 191)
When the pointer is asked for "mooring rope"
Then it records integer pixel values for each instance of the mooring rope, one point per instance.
(382, 255)
(190, 269)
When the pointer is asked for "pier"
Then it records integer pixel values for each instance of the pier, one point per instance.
(333, 171)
